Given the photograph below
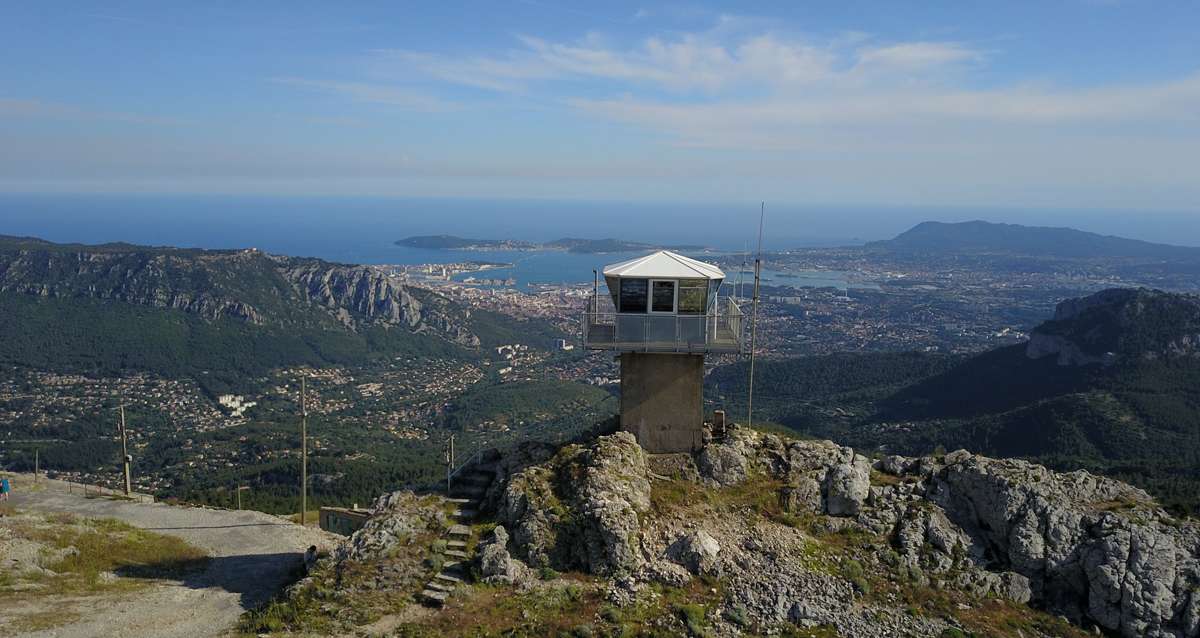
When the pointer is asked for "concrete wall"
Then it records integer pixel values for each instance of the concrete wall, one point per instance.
(662, 400)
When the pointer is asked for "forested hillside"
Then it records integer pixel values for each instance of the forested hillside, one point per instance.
(223, 315)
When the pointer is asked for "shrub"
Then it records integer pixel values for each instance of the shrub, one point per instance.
(852, 571)
(737, 616)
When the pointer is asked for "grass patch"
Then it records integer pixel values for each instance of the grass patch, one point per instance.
(105, 546)
(43, 620)
(881, 479)
(493, 610)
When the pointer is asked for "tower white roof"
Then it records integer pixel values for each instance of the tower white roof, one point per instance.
(664, 264)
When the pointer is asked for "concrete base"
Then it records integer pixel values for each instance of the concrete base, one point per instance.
(662, 400)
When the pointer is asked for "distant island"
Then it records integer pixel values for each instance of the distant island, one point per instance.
(569, 244)
(450, 242)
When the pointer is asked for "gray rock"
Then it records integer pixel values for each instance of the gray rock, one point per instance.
(698, 552)
(894, 465)
(581, 509)
(666, 573)
(802, 498)
(846, 486)
(722, 464)
(495, 563)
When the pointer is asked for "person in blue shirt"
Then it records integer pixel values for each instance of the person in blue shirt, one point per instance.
(5, 488)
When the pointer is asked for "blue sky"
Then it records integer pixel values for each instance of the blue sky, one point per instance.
(1059, 103)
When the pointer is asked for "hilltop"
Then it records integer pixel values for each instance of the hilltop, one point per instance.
(759, 534)
(1015, 239)
(1111, 383)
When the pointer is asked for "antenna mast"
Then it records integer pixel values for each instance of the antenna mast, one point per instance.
(754, 315)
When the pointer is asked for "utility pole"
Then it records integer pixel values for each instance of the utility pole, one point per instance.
(35, 464)
(754, 317)
(449, 461)
(125, 454)
(303, 453)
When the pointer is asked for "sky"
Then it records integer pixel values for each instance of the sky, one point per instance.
(1064, 104)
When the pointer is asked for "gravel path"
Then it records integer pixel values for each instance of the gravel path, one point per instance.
(252, 555)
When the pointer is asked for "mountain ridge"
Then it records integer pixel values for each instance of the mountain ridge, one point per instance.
(980, 236)
(239, 310)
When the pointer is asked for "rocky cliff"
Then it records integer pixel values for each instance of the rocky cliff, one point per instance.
(245, 285)
(1119, 324)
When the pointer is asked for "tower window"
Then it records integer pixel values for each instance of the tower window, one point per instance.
(634, 295)
(693, 294)
(662, 296)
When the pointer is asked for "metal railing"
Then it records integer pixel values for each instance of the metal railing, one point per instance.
(717, 332)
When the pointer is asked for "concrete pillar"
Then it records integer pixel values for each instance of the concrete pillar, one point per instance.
(662, 400)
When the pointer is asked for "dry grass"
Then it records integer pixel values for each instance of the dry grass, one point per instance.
(43, 620)
(97, 547)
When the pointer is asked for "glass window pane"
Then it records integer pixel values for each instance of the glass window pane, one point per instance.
(633, 295)
(692, 296)
(663, 296)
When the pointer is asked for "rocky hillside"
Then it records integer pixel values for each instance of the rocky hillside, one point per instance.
(1120, 324)
(236, 313)
(247, 285)
(759, 534)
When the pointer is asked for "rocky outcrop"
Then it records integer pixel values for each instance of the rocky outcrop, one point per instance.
(1093, 550)
(363, 292)
(496, 565)
(581, 509)
(1119, 324)
(397, 518)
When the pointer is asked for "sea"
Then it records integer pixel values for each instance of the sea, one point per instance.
(363, 230)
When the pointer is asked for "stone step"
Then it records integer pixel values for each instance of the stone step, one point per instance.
(476, 478)
(469, 491)
(456, 544)
(461, 501)
(454, 553)
(459, 530)
(448, 578)
(465, 515)
(434, 597)
(438, 585)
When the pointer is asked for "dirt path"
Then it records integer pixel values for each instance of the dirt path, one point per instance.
(252, 555)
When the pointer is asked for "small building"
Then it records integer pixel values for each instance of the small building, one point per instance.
(663, 314)
(341, 520)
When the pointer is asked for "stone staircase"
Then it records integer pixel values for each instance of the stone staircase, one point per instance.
(466, 494)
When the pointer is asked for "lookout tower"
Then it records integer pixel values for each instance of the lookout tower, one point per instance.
(663, 315)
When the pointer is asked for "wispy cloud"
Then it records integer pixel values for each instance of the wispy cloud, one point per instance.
(740, 86)
(708, 61)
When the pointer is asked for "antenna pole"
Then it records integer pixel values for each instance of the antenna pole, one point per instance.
(125, 458)
(754, 315)
(303, 452)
